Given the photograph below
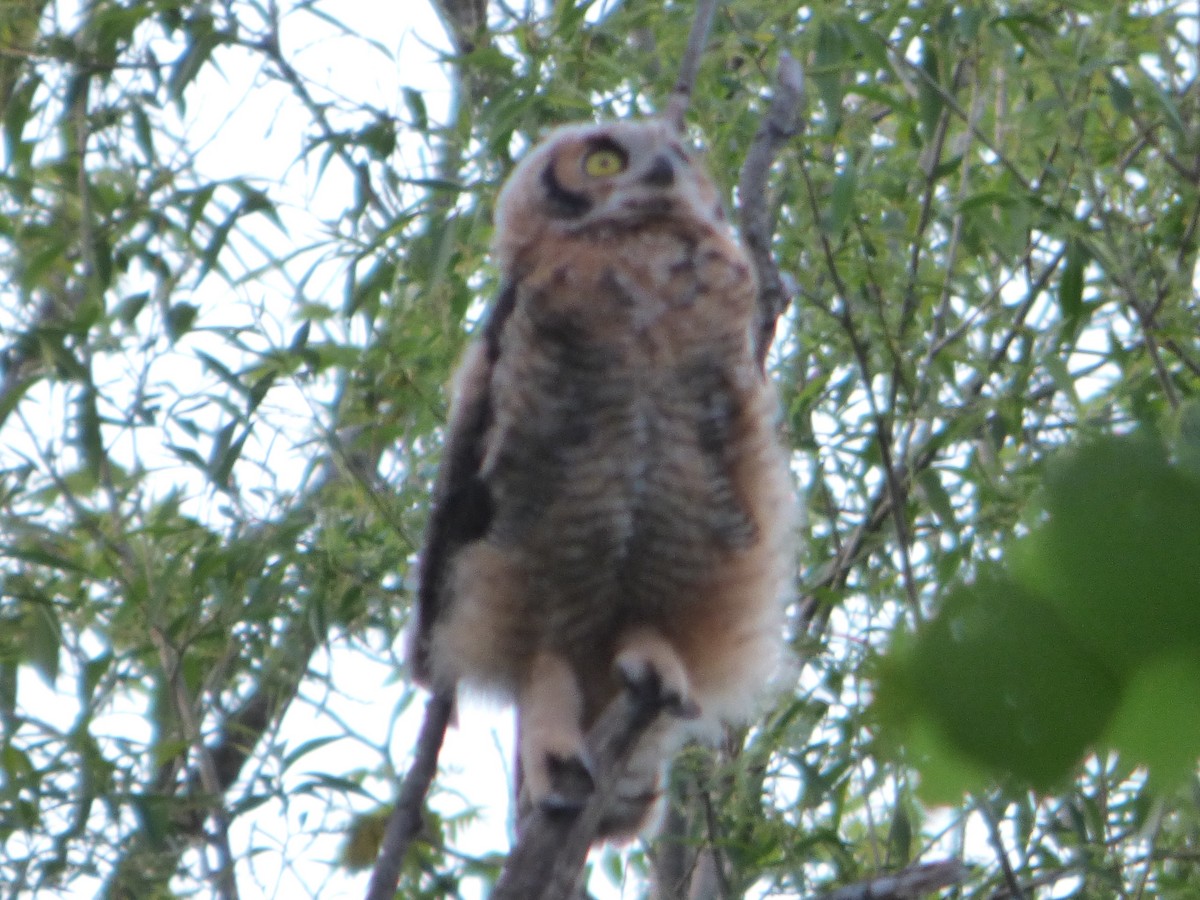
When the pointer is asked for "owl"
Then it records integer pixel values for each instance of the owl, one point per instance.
(613, 508)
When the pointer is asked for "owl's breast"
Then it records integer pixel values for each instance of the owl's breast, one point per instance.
(611, 460)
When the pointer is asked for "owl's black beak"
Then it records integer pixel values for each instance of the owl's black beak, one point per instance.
(661, 174)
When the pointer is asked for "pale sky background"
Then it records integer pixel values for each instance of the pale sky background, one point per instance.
(263, 130)
(252, 128)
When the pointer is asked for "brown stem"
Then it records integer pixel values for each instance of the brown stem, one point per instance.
(915, 881)
(689, 68)
(405, 820)
(779, 125)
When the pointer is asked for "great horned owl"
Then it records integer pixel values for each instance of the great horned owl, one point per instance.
(613, 508)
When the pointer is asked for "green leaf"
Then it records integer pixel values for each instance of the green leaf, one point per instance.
(197, 202)
(1158, 722)
(937, 497)
(866, 41)
(841, 198)
(1070, 284)
(131, 307)
(212, 250)
(11, 397)
(300, 338)
(929, 97)
(180, 317)
(188, 455)
(363, 837)
(829, 58)
(202, 40)
(222, 371)
(221, 466)
(93, 671)
(143, 133)
(88, 437)
(1008, 684)
(1120, 95)
(1166, 103)
(1119, 553)
(416, 108)
(43, 639)
(295, 755)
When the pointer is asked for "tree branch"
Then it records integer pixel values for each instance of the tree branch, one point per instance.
(781, 123)
(405, 819)
(689, 67)
(548, 859)
(904, 885)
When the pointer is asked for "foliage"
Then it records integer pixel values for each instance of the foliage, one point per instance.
(220, 406)
(1091, 638)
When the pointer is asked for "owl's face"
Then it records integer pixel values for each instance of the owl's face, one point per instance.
(617, 174)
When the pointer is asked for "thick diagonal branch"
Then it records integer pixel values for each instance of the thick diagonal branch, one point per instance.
(915, 881)
(548, 859)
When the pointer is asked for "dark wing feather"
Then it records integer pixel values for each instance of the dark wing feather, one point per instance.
(462, 505)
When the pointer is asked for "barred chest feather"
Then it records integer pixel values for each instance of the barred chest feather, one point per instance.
(621, 429)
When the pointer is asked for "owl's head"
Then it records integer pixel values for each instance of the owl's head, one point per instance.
(615, 174)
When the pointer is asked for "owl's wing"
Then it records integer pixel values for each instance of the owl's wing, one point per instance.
(462, 504)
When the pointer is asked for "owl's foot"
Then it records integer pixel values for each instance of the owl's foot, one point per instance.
(654, 675)
(555, 770)
(568, 783)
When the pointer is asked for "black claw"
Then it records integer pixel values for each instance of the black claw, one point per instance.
(647, 692)
(571, 784)
(644, 687)
(686, 709)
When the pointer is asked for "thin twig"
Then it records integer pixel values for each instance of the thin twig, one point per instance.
(689, 68)
(997, 841)
(169, 659)
(270, 46)
(405, 819)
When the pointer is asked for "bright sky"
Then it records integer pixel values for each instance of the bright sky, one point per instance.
(249, 127)
(362, 694)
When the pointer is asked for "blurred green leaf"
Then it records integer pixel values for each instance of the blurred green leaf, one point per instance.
(180, 318)
(1070, 284)
(1008, 684)
(43, 638)
(1158, 721)
(841, 200)
(416, 108)
(1119, 554)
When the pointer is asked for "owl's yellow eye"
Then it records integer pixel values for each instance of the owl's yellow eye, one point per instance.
(604, 162)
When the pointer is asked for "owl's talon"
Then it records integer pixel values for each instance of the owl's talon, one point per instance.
(649, 690)
(571, 783)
